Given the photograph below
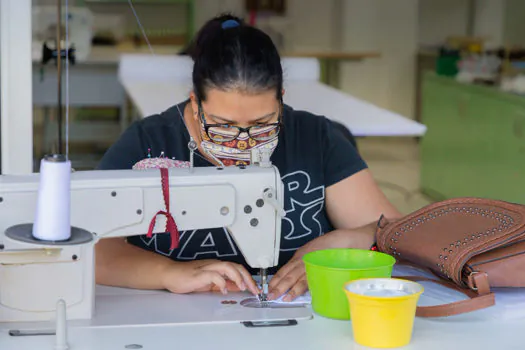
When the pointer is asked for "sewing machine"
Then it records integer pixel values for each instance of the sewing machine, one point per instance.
(35, 275)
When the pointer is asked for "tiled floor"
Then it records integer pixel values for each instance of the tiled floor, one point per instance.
(395, 165)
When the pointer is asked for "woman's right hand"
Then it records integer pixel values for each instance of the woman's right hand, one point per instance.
(208, 275)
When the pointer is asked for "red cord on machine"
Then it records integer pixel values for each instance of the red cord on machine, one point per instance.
(171, 226)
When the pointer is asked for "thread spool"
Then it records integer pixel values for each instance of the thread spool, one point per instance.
(52, 216)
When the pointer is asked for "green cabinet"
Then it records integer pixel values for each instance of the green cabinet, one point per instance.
(475, 142)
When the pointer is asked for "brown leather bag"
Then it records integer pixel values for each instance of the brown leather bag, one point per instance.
(472, 244)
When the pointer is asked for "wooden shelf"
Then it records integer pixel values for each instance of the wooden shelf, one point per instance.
(333, 55)
(139, 2)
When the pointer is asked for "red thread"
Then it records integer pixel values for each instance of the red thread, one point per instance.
(171, 226)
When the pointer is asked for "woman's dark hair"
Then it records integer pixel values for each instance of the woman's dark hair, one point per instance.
(232, 56)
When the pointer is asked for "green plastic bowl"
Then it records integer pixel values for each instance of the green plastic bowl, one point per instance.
(327, 271)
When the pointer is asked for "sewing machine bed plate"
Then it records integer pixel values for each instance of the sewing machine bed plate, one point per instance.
(460, 332)
(116, 307)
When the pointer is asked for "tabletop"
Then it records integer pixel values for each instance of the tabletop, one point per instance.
(134, 319)
(157, 83)
(493, 328)
(362, 118)
(319, 333)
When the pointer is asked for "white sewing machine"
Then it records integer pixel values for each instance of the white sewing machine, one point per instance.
(34, 274)
(34, 277)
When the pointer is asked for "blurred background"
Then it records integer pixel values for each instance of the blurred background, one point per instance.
(455, 66)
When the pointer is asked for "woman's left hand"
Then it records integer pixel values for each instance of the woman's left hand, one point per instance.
(291, 278)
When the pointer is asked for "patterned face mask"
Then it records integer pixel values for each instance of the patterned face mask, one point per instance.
(238, 151)
(231, 145)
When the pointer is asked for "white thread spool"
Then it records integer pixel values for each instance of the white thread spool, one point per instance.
(52, 217)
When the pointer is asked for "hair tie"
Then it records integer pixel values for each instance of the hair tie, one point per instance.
(231, 23)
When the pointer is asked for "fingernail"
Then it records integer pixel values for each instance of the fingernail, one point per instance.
(224, 291)
(287, 298)
(271, 296)
(243, 286)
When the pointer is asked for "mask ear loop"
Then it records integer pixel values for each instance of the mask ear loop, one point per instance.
(202, 122)
(281, 114)
(192, 144)
(202, 119)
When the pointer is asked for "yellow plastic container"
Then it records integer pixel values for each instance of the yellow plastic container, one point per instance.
(382, 311)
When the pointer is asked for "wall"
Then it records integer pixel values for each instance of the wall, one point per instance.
(500, 22)
(206, 9)
(398, 44)
(389, 27)
(489, 21)
(172, 17)
(308, 24)
(313, 25)
(361, 32)
(514, 26)
(440, 19)
(353, 25)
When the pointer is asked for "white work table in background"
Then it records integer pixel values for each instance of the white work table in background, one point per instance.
(157, 83)
(93, 81)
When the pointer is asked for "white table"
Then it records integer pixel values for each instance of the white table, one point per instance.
(472, 331)
(498, 327)
(316, 334)
(157, 83)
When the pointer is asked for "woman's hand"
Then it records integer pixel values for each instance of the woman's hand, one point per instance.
(208, 275)
(291, 278)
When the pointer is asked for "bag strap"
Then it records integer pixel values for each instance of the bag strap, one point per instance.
(476, 300)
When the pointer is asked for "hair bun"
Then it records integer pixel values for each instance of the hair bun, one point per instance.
(230, 55)
(209, 32)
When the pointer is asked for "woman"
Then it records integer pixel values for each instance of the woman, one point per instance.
(236, 104)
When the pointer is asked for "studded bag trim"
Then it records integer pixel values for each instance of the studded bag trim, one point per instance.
(472, 244)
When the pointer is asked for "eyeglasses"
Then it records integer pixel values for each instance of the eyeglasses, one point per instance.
(227, 132)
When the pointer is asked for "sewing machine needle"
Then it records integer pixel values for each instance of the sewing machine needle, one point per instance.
(264, 284)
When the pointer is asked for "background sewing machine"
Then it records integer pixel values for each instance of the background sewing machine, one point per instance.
(34, 274)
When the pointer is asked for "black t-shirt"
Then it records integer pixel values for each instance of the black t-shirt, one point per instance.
(311, 155)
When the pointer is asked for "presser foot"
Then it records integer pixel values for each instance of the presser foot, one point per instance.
(263, 296)
(263, 299)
